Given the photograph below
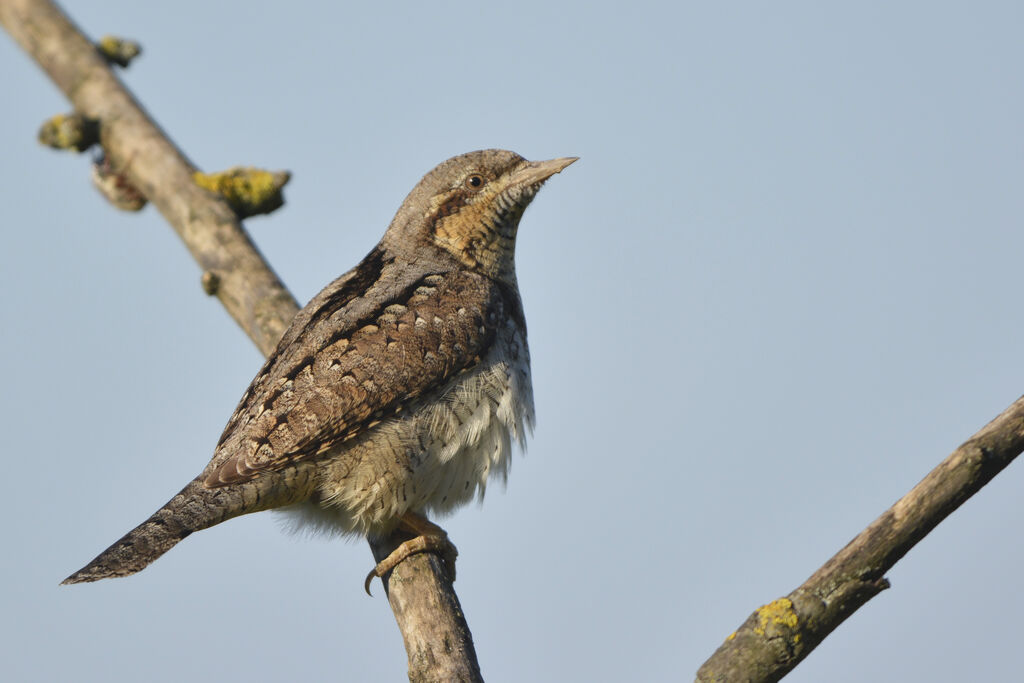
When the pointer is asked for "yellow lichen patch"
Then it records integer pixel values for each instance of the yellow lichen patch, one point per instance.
(69, 131)
(777, 613)
(118, 50)
(249, 191)
(731, 636)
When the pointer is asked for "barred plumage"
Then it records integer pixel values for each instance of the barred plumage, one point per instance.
(398, 390)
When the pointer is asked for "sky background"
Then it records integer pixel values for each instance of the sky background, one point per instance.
(781, 285)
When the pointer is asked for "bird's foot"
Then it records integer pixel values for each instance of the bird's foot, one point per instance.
(430, 539)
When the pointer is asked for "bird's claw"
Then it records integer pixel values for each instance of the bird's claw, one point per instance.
(437, 544)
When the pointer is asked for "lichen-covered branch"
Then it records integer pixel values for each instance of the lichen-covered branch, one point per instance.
(426, 608)
(779, 635)
(139, 150)
(248, 191)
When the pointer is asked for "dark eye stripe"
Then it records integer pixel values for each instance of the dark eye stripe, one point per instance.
(451, 206)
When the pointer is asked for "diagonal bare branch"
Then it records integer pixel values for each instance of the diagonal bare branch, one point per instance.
(249, 290)
(779, 635)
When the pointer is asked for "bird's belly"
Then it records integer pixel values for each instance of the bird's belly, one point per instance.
(434, 459)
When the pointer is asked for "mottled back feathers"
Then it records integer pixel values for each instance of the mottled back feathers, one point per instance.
(344, 374)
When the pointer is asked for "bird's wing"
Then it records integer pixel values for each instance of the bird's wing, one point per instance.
(354, 357)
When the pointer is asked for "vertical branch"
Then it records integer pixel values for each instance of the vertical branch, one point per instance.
(438, 642)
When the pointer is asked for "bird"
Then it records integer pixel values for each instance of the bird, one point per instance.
(396, 393)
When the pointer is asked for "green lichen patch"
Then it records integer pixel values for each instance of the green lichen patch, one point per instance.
(118, 51)
(69, 131)
(249, 191)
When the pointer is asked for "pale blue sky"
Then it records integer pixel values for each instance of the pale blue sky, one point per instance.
(779, 287)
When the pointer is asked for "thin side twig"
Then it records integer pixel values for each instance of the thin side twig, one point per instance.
(437, 638)
(779, 635)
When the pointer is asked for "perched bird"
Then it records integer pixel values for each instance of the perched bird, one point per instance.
(396, 392)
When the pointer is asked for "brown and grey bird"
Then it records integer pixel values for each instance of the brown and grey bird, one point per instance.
(395, 393)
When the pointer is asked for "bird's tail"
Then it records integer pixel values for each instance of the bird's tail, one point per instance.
(196, 507)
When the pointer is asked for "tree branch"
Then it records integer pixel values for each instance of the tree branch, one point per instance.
(779, 635)
(437, 638)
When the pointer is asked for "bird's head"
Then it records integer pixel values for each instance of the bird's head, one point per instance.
(470, 207)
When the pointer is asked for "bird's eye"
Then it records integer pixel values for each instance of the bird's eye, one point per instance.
(474, 180)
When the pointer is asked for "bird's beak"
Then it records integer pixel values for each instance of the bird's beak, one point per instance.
(538, 171)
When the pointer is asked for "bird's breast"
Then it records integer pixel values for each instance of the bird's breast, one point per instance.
(468, 435)
(438, 454)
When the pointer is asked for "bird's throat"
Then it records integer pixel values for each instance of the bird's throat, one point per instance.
(481, 239)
